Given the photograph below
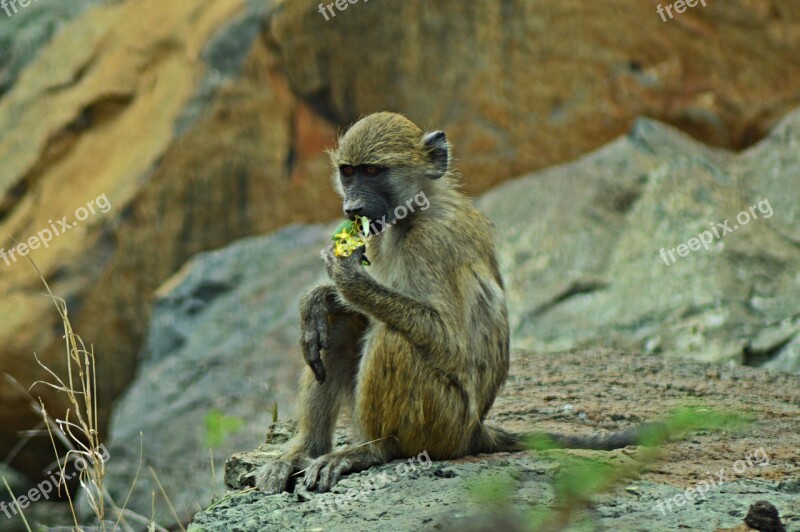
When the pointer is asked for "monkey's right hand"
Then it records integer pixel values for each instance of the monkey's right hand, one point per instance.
(273, 477)
(314, 328)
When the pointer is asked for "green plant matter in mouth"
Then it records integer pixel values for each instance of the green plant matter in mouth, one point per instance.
(349, 237)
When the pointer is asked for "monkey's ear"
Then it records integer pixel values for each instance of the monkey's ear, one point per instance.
(437, 146)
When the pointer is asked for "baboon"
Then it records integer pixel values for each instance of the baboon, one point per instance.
(417, 344)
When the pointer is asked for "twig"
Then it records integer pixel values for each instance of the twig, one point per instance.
(14, 498)
(166, 497)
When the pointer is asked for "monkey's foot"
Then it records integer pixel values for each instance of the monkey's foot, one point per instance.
(273, 477)
(327, 470)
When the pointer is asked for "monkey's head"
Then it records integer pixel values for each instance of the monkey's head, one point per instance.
(383, 162)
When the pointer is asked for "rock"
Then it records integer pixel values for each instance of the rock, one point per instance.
(586, 249)
(763, 516)
(222, 339)
(24, 32)
(580, 253)
(511, 490)
(520, 86)
(175, 120)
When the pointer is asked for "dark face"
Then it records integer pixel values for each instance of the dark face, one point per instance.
(368, 191)
(376, 191)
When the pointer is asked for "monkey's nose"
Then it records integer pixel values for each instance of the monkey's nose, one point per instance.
(353, 208)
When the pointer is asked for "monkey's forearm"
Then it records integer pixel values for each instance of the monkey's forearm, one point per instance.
(327, 295)
(422, 324)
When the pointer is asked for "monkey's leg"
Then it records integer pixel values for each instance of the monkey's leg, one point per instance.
(319, 402)
(327, 470)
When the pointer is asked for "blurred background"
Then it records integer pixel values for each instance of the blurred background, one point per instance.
(184, 143)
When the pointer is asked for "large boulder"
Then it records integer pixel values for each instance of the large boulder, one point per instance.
(221, 347)
(597, 251)
(579, 247)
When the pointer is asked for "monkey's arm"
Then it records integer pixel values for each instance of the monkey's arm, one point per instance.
(419, 321)
(320, 309)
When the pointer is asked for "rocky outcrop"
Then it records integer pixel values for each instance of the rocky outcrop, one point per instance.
(221, 343)
(203, 122)
(170, 119)
(522, 85)
(574, 392)
(579, 248)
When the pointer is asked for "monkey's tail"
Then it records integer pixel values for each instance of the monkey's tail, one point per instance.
(495, 440)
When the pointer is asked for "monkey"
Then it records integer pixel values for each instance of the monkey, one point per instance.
(416, 344)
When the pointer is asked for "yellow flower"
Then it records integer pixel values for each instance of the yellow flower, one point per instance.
(347, 238)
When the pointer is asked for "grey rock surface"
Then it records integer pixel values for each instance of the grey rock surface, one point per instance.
(582, 243)
(446, 497)
(560, 392)
(218, 347)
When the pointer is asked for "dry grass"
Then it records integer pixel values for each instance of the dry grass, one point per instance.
(78, 431)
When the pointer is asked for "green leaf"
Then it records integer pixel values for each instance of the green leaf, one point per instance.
(346, 226)
(220, 426)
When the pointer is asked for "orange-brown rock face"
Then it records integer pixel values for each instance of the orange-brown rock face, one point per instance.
(523, 84)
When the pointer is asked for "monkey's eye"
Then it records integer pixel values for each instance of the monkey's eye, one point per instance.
(347, 170)
(372, 170)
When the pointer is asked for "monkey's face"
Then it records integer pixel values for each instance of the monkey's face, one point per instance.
(368, 191)
(383, 162)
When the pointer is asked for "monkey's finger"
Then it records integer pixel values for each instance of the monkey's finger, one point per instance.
(330, 255)
(310, 341)
(322, 331)
(312, 474)
(330, 474)
(319, 370)
(272, 478)
(362, 257)
(311, 353)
